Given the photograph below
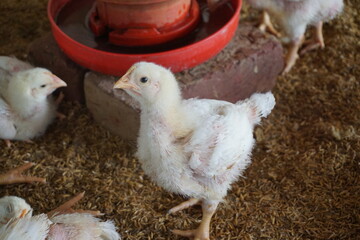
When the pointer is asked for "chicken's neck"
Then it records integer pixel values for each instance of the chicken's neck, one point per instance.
(23, 105)
(172, 115)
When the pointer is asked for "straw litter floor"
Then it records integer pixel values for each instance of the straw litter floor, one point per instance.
(304, 182)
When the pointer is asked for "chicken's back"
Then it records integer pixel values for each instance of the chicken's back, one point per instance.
(81, 226)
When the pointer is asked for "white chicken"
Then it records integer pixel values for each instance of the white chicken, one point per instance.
(15, 176)
(26, 104)
(194, 147)
(63, 223)
(294, 16)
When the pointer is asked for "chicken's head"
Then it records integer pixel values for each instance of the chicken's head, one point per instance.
(13, 207)
(39, 82)
(149, 83)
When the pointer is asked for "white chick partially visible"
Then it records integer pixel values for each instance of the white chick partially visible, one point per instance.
(13, 207)
(26, 104)
(294, 16)
(18, 222)
(194, 147)
(29, 228)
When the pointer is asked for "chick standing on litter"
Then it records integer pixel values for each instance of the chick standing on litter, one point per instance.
(26, 104)
(194, 147)
(63, 223)
(293, 17)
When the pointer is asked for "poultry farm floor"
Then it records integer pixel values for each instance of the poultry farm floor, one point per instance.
(304, 182)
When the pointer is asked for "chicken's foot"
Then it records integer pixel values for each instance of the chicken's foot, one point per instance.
(8, 143)
(316, 41)
(15, 176)
(292, 54)
(202, 232)
(266, 25)
(189, 203)
(66, 208)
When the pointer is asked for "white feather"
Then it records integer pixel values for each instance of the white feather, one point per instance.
(32, 228)
(82, 226)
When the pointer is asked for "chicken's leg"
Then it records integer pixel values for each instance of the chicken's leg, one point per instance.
(66, 207)
(189, 203)
(316, 41)
(202, 232)
(266, 24)
(292, 54)
(8, 143)
(15, 176)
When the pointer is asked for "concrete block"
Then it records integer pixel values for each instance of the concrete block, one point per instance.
(250, 63)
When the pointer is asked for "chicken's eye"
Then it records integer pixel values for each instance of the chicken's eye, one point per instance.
(42, 86)
(144, 79)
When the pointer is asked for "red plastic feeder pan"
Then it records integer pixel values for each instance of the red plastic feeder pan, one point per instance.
(143, 22)
(187, 35)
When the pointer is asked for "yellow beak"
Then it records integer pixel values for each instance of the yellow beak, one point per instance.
(124, 81)
(23, 213)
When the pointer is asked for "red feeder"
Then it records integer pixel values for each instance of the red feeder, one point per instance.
(144, 22)
(117, 63)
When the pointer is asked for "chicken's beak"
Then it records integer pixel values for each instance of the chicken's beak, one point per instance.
(124, 81)
(57, 82)
(23, 213)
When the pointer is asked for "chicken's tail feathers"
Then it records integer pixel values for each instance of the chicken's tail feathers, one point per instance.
(260, 105)
(109, 231)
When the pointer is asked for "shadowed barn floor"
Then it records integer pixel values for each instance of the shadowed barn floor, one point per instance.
(304, 182)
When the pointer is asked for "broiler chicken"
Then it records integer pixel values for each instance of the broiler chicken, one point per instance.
(194, 147)
(26, 104)
(63, 223)
(294, 16)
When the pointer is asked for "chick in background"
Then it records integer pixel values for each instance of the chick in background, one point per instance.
(293, 17)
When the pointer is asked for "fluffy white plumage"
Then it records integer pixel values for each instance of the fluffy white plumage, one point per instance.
(13, 207)
(20, 224)
(294, 16)
(194, 147)
(28, 228)
(81, 226)
(26, 104)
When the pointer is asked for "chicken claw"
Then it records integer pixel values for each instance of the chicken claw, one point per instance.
(266, 25)
(202, 232)
(15, 176)
(8, 143)
(66, 207)
(316, 41)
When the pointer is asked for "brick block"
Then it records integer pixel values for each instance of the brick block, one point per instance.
(250, 63)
